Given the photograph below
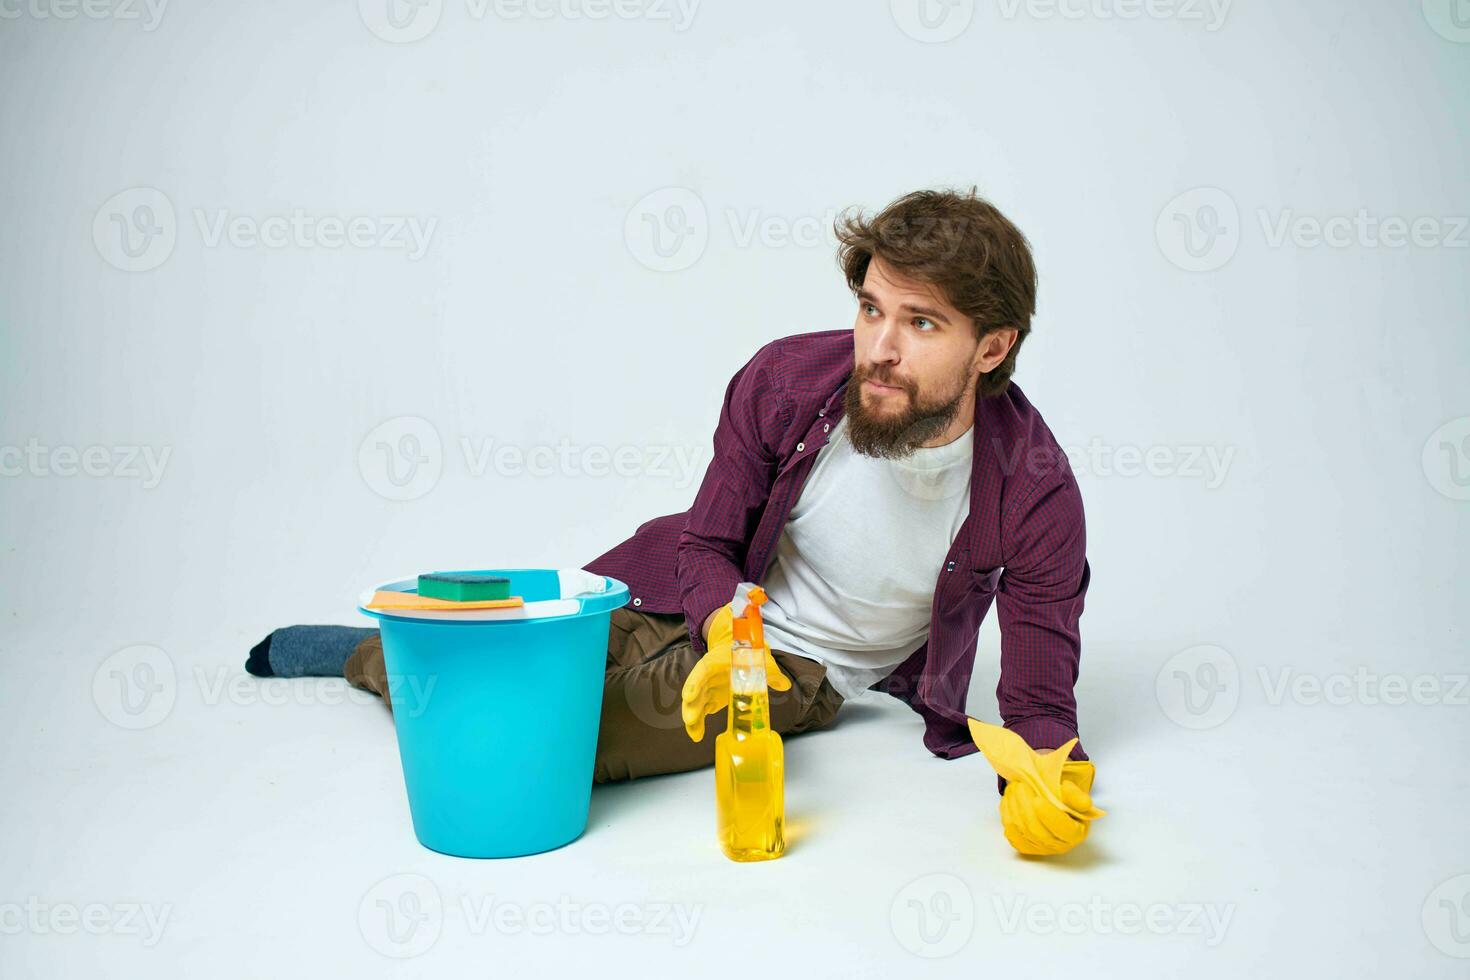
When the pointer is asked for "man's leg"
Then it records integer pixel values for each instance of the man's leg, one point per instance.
(642, 729)
(366, 669)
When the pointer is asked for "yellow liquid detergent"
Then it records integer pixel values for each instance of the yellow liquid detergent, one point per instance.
(750, 762)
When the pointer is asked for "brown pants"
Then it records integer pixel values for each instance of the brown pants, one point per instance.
(649, 656)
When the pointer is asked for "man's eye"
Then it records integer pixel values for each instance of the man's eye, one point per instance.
(869, 309)
(922, 322)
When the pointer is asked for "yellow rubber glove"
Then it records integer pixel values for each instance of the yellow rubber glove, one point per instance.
(707, 689)
(1047, 806)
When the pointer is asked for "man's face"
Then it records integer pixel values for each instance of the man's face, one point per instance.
(915, 361)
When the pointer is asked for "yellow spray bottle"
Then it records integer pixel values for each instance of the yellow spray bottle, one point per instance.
(750, 762)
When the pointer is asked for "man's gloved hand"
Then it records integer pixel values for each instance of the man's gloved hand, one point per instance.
(707, 688)
(1047, 806)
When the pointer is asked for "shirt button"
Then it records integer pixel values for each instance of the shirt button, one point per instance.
(825, 427)
(822, 412)
(949, 567)
(638, 602)
(800, 446)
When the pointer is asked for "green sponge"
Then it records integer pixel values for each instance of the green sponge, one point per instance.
(460, 587)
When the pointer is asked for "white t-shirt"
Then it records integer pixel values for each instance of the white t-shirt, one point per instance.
(852, 581)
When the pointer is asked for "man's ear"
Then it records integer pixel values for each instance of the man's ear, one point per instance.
(994, 347)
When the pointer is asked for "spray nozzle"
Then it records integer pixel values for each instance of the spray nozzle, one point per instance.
(745, 621)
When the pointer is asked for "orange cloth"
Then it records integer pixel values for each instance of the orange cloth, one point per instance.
(412, 600)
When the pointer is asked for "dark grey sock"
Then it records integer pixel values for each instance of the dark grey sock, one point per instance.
(306, 651)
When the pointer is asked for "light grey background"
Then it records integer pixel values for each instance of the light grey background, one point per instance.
(618, 206)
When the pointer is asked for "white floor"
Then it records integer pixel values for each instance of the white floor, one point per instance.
(262, 830)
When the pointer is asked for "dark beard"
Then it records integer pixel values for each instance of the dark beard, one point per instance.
(894, 436)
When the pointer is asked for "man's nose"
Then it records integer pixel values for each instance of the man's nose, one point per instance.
(885, 343)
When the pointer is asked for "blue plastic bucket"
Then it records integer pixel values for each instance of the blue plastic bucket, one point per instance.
(497, 713)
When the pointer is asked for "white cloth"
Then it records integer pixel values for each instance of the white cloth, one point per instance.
(852, 582)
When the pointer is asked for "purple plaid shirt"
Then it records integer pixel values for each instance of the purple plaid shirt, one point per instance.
(1022, 546)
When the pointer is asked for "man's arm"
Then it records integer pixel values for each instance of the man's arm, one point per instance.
(1039, 604)
(737, 484)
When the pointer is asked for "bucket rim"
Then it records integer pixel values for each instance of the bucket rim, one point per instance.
(613, 596)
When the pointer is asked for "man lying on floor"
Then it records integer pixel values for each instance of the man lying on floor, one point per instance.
(849, 481)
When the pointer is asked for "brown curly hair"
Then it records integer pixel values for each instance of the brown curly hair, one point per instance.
(962, 245)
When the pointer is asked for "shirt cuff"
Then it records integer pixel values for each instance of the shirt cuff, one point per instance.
(698, 604)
